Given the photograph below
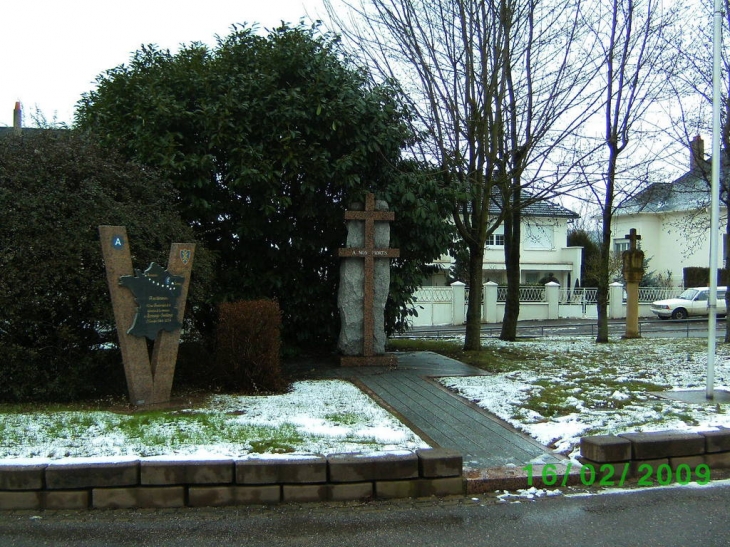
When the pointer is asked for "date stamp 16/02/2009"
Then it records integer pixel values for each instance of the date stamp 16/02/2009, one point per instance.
(607, 474)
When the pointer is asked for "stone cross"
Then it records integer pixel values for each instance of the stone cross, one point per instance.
(633, 270)
(633, 237)
(368, 252)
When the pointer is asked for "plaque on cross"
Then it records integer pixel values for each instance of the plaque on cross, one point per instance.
(369, 253)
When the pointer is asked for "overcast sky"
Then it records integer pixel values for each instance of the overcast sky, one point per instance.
(52, 50)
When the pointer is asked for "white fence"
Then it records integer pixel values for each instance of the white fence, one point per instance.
(447, 305)
(435, 306)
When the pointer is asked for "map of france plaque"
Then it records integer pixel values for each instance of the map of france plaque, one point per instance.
(156, 292)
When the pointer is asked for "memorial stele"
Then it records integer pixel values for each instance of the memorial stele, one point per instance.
(147, 305)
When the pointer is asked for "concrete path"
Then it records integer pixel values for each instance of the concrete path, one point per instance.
(440, 417)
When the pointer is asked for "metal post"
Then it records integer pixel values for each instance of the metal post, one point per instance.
(715, 200)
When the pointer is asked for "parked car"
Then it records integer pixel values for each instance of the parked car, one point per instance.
(692, 302)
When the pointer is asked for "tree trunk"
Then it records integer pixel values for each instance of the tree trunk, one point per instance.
(726, 263)
(602, 298)
(605, 257)
(472, 341)
(512, 265)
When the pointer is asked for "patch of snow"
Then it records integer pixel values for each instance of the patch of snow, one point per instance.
(328, 416)
(592, 403)
(530, 494)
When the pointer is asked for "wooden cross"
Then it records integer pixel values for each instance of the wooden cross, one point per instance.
(633, 237)
(369, 253)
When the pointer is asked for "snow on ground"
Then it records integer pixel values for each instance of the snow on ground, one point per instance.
(574, 387)
(316, 417)
(563, 389)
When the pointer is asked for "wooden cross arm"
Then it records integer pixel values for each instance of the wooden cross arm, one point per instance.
(356, 252)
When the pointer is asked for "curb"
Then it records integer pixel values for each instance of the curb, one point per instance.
(657, 458)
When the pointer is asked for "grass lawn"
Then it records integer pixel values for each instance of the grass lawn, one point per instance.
(322, 417)
(558, 389)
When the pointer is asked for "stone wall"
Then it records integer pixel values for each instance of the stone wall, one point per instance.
(645, 453)
(629, 459)
(161, 482)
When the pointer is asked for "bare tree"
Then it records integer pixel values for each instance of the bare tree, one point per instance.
(497, 88)
(635, 56)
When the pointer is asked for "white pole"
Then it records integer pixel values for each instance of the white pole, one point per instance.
(715, 199)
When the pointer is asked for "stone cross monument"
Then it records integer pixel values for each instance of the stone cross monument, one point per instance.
(364, 285)
(633, 270)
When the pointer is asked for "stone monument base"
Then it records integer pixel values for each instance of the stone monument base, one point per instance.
(369, 361)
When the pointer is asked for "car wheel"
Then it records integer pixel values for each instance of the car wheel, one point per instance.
(679, 313)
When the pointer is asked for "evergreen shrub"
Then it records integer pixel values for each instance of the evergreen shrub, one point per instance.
(248, 344)
(696, 276)
(58, 339)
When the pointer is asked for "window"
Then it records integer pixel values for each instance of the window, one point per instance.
(619, 246)
(495, 240)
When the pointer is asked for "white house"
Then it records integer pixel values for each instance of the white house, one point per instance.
(673, 219)
(544, 251)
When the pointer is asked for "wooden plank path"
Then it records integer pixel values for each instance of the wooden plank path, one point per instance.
(443, 418)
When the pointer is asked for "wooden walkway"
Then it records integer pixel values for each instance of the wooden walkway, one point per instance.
(441, 417)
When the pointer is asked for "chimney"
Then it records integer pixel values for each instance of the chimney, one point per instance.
(696, 153)
(17, 118)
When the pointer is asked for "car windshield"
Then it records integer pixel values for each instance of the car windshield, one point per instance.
(689, 294)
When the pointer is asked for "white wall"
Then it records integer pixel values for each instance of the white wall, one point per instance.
(671, 241)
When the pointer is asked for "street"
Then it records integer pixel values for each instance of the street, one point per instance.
(667, 516)
(648, 328)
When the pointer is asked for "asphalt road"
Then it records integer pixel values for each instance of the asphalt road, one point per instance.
(668, 516)
(648, 327)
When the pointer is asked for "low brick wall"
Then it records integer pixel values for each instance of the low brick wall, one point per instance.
(645, 453)
(161, 482)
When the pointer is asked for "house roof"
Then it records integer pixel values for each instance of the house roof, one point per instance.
(544, 208)
(689, 192)
(534, 207)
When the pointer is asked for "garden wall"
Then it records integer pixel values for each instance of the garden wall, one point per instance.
(161, 482)
(659, 457)
(436, 306)
(630, 459)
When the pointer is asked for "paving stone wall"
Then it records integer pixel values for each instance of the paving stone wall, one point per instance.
(161, 482)
(658, 448)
